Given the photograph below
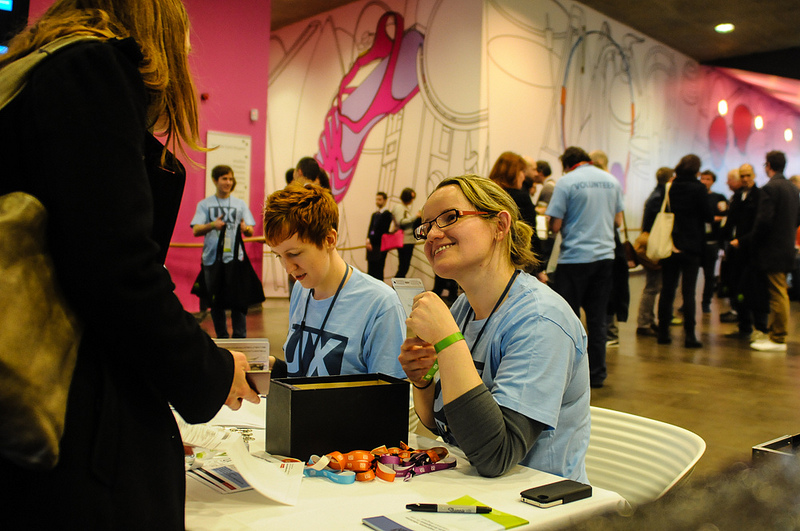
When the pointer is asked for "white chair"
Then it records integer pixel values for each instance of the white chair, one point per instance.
(637, 457)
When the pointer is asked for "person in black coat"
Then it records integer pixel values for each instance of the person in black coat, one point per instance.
(77, 138)
(379, 224)
(718, 204)
(687, 200)
(747, 291)
(772, 242)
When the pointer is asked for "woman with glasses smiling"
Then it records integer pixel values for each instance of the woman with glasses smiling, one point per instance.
(513, 376)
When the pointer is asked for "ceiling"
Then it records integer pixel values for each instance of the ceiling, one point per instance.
(763, 50)
(285, 12)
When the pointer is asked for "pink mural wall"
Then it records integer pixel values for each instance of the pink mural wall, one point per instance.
(230, 62)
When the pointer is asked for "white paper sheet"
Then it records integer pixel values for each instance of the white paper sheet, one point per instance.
(248, 416)
(276, 481)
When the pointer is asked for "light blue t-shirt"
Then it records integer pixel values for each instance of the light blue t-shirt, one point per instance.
(586, 200)
(233, 210)
(363, 333)
(532, 358)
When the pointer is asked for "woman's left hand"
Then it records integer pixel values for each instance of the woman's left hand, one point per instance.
(416, 358)
(246, 229)
(430, 318)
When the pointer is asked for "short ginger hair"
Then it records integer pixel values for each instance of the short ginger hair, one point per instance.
(306, 210)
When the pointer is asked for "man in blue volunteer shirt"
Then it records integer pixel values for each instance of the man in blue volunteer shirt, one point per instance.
(586, 207)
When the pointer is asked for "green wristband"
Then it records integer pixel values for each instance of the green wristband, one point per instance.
(431, 372)
(446, 342)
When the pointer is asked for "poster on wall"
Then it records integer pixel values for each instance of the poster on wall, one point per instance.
(234, 151)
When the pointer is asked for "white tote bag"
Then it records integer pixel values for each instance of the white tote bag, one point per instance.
(659, 245)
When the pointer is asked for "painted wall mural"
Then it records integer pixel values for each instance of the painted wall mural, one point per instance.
(396, 93)
(357, 108)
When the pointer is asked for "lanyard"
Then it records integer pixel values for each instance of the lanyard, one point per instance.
(328, 314)
(470, 313)
(578, 165)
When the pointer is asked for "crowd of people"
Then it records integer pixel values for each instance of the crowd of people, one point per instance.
(756, 235)
(744, 264)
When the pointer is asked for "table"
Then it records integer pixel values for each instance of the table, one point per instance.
(325, 505)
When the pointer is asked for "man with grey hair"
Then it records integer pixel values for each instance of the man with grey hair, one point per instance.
(748, 300)
(772, 240)
(726, 267)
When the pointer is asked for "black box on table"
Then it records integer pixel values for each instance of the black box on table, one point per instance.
(323, 414)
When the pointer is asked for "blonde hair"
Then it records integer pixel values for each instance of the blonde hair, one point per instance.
(159, 27)
(488, 196)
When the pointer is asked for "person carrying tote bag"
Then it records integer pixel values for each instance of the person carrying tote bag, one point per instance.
(237, 284)
(35, 368)
(230, 285)
(687, 198)
(221, 219)
(79, 137)
(659, 243)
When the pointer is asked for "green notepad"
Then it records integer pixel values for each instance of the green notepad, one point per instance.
(506, 520)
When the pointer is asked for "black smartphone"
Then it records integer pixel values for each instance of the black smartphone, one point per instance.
(557, 493)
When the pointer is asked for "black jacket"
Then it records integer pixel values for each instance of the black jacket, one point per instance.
(527, 213)
(76, 138)
(742, 215)
(775, 227)
(687, 199)
(379, 224)
(652, 206)
(714, 200)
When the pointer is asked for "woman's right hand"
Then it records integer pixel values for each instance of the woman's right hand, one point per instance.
(430, 318)
(240, 389)
(218, 223)
(416, 357)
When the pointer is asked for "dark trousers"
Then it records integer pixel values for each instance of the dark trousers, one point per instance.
(751, 298)
(710, 255)
(238, 318)
(376, 261)
(404, 254)
(588, 286)
(672, 268)
(238, 322)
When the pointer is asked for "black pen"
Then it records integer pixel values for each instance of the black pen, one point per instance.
(444, 508)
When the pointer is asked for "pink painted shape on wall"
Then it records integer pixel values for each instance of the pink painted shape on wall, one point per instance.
(718, 139)
(356, 110)
(742, 126)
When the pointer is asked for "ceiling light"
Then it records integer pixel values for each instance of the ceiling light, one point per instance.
(759, 123)
(722, 107)
(724, 28)
(787, 135)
